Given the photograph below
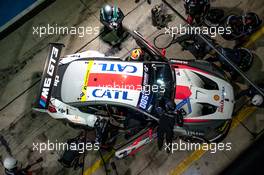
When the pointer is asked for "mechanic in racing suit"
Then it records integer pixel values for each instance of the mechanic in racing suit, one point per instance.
(196, 10)
(194, 44)
(111, 18)
(167, 119)
(241, 57)
(242, 27)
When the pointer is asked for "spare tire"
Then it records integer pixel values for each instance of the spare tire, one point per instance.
(214, 17)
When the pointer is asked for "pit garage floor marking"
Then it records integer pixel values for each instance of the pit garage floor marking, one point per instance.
(255, 36)
(98, 163)
(196, 155)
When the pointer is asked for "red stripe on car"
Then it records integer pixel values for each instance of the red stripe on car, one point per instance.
(195, 120)
(115, 81)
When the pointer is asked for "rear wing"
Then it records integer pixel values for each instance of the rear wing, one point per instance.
(48, 76)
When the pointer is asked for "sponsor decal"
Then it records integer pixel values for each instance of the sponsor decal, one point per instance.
(117, 67)
(196, 133)
(56, 81)
(48, 79)
(137, 144)
(111, 94)
(182, 103)
(145, 92)
(216, 97)
(111, 81)
(222, 102)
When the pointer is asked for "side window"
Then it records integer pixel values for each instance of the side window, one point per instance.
(130, 117)
(94, 109)
(117, 111)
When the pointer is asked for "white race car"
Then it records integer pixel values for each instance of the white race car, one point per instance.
(87, 87)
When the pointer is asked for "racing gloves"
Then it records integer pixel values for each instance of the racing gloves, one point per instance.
(168, 118)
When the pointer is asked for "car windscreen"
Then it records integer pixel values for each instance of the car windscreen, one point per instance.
(157, 85)
(162, 84)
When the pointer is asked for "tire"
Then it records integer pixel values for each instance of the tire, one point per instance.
(191, 139)
(214, 17)
(246, 59)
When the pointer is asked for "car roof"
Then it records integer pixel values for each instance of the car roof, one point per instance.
(102, 80)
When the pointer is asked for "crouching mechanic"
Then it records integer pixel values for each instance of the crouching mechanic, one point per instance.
(11, 168)
(252, 93)
(195, 45)
(196, 10)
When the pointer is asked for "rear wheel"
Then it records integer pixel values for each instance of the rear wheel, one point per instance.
(192, 139)
(219, 133)
(214, 135)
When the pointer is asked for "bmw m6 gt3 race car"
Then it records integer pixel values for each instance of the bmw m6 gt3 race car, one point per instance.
(86, 87)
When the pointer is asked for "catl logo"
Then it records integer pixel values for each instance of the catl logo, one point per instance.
(48, 79)
(106, 67)
(111, 94)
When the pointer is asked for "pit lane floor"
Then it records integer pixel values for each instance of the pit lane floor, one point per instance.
(23, 54)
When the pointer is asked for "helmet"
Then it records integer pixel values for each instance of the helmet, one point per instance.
(257, 100)
(10, 163)
(245, 59)
(107, 12)
(136, 54)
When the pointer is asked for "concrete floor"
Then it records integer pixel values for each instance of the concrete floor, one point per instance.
(22, 58)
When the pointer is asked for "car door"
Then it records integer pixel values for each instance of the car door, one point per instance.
(96, 109)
